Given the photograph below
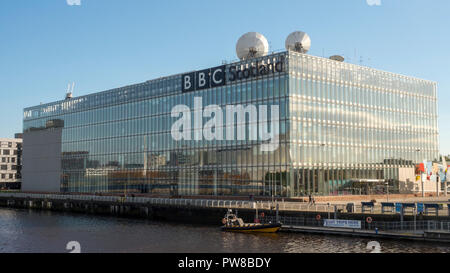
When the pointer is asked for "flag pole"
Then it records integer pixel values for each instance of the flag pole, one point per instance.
(444, 165)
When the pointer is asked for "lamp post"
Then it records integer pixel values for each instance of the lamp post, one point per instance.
(445, 185)
(438, 186)
(387, 191)
(423, 190)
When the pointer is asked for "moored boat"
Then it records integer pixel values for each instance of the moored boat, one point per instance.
(232, 223)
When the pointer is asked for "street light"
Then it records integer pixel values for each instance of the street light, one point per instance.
(387, 191)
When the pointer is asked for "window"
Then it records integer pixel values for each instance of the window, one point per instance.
(11, 176)
(4, 167)
(6, 152)
(3, 159)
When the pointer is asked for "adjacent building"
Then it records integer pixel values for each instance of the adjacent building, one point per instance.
(10, 162)
(342, 127)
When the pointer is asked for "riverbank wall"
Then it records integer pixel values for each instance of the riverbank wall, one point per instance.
(211, 212)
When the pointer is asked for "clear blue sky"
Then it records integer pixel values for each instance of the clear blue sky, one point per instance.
(103, 44)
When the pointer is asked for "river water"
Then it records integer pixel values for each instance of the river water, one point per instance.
(44, 231)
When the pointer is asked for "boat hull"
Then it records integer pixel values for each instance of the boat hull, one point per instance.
(264, 228)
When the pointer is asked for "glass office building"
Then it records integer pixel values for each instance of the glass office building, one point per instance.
(339, 124)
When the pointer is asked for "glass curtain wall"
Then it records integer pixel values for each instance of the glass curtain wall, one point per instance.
(338, 122)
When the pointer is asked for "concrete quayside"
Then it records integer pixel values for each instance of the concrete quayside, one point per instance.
(433, 226)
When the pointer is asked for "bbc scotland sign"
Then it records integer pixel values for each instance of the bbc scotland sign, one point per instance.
(222, 75)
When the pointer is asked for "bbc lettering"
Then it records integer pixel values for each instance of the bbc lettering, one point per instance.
(203, 79)
(188, 82)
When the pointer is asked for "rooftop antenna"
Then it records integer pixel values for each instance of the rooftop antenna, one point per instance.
(348, 58)
(363, 59)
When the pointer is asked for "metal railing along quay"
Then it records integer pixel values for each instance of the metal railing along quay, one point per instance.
(137, 200)
(235, 204)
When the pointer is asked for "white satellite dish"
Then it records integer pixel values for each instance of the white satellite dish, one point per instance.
(337, 58)
(252, 45)
(298, 41)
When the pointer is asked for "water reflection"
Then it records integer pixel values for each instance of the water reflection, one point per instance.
(34, 231)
